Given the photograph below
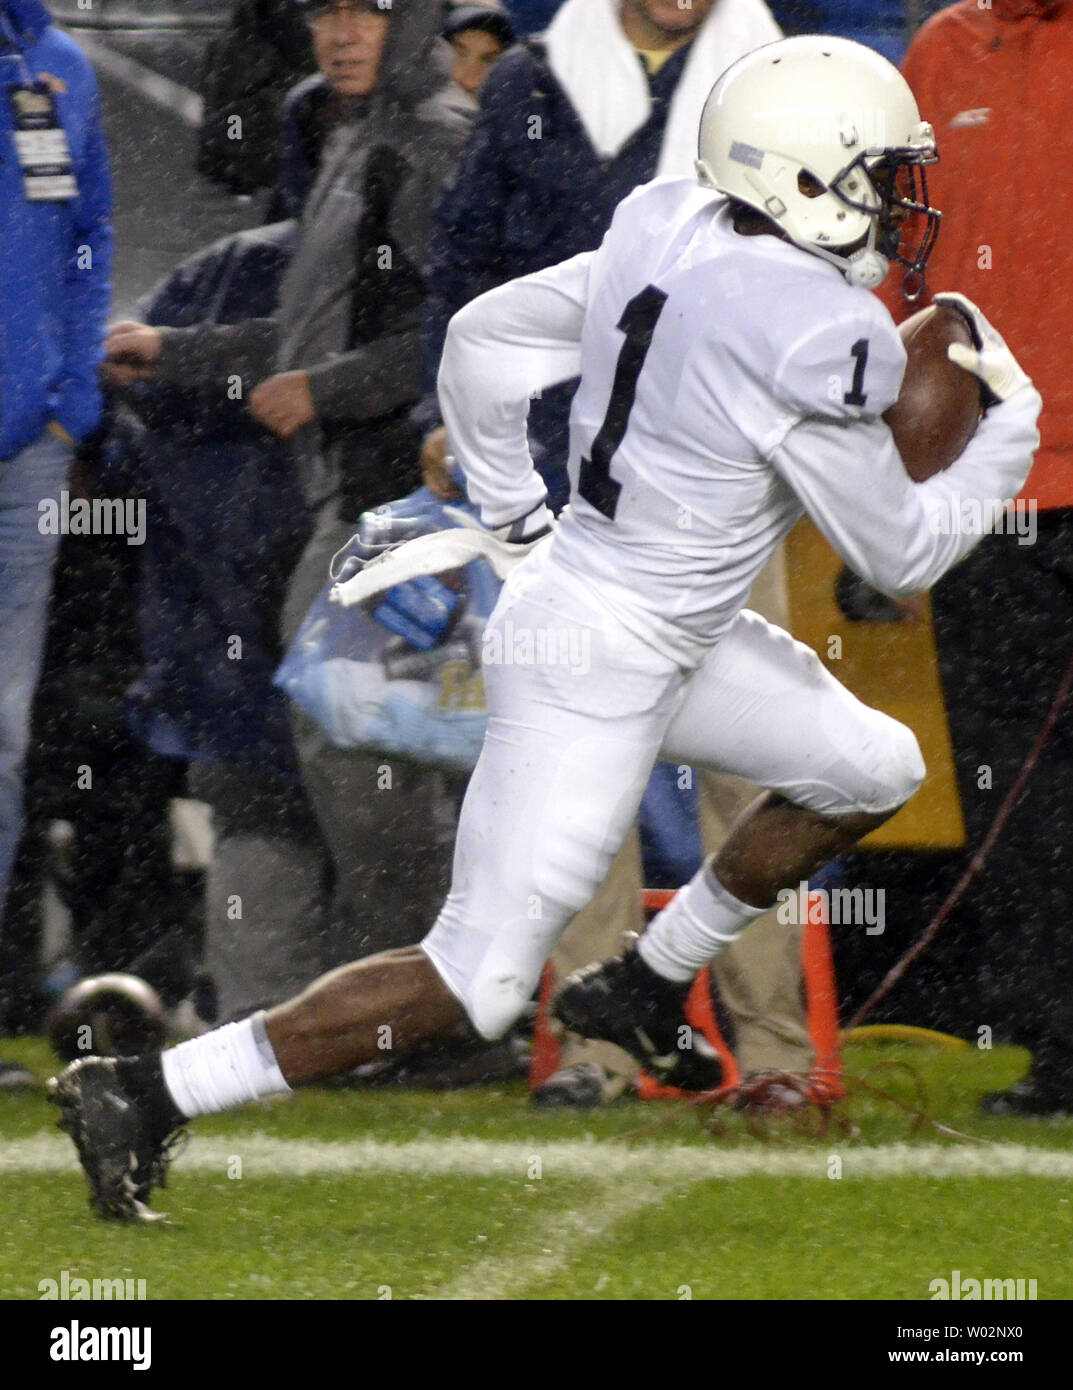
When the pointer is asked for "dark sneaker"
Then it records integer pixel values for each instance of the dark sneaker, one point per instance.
(579, 1087)
(623, 1001)
(15, 1078)
(123, 1154)
(1030, 1097)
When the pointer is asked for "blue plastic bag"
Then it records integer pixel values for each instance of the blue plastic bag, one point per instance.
(373, 688)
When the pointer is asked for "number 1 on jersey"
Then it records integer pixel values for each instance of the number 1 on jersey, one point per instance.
(638, 322)
(859, 353)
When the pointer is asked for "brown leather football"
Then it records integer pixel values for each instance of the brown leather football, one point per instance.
(938, 408)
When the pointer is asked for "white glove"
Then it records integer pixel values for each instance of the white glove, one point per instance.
(989, 359)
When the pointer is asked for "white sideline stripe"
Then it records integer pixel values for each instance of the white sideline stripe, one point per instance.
(154, 86)
(602, 1161)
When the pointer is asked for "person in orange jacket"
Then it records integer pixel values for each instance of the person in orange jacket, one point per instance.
(993, 76)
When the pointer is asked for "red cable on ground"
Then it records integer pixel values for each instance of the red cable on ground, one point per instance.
(977, 862)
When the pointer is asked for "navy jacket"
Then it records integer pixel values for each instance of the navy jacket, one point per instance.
(309, 113)
(226, 527)
(56, 262)
(530, 191)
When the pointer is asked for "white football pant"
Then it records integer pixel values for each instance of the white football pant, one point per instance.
(579, 710)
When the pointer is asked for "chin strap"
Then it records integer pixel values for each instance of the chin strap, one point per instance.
(867, 269)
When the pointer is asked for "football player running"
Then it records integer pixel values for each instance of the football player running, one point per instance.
(734, 373)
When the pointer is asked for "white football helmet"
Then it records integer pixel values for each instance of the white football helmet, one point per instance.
(823, 136)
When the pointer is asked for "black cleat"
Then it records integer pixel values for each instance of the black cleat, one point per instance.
(623, 1001)
(123, 1154)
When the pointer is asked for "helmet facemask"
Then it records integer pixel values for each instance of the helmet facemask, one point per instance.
(898, 185)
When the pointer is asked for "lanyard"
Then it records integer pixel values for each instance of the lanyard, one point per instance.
(12, 39)
(41, 145)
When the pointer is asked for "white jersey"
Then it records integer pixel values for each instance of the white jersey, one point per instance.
(728, 382)
(701, 350)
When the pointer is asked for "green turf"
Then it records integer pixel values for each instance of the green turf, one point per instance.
(760, 1238)
(355, 1234)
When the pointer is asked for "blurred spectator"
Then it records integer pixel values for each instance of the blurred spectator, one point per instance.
(569, 123)
(265, 50)
(336, 375)
(478, 34)
(54, 294)
(97, 801)
(228, 527)
(310, 113)
(994, 81)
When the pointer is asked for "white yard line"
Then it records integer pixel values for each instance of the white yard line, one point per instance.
(547, 1247)
(603, 1161)
(154, 86)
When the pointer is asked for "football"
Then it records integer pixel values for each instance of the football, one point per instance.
(107, 1015)
(938, 408)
